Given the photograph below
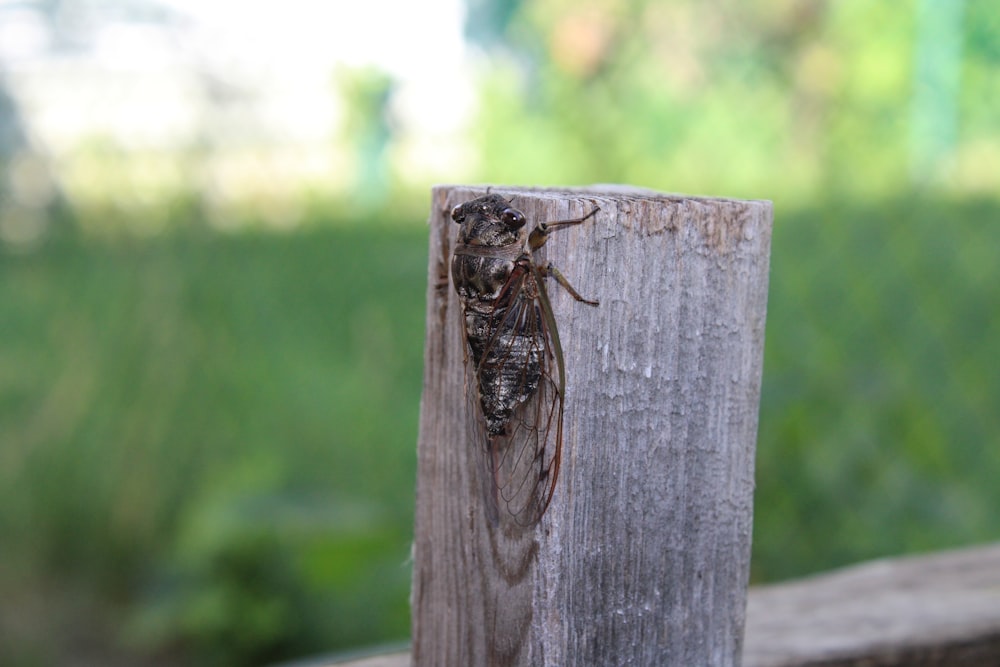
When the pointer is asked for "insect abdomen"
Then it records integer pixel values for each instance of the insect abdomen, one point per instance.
(508, 363)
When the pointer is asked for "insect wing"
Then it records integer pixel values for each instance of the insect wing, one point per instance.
(519, 468)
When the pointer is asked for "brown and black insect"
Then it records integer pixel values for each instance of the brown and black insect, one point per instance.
(516, 381)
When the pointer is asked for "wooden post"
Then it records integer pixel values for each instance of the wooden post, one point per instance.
(643, 555)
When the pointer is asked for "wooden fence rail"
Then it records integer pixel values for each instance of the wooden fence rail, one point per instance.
(936, 610)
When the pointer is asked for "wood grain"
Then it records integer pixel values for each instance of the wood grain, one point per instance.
(642, 558)
(936, 610)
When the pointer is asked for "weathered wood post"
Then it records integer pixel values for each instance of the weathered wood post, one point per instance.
(643, 555)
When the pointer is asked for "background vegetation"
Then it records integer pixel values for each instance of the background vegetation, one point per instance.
(207, 432)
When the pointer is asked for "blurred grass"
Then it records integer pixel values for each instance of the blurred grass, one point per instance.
(208, 441)
(879, 428)
(879, 432)
(187, 417)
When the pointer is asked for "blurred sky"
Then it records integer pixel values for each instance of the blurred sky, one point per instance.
(419, 44)
(286, 50)
(132, 104)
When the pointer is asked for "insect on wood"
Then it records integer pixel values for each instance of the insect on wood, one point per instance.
(516, 381)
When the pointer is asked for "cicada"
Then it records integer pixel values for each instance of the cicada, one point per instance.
(515, 377)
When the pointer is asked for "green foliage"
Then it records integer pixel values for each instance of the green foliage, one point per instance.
(218, 433)
(878, 416)
(790, 101)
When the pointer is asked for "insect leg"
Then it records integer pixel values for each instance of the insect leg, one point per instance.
(551, 270)
(540, 234)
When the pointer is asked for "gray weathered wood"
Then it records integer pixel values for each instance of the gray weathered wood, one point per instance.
(642, 558)
(940, 610)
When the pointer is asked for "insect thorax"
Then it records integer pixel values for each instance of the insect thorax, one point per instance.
(479, 281)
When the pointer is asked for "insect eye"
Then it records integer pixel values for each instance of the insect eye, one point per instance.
(456, 214)
(512, 218)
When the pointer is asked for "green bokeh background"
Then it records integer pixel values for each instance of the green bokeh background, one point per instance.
(207, 439)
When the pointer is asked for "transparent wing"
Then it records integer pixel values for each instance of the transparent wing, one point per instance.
(519, 467)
